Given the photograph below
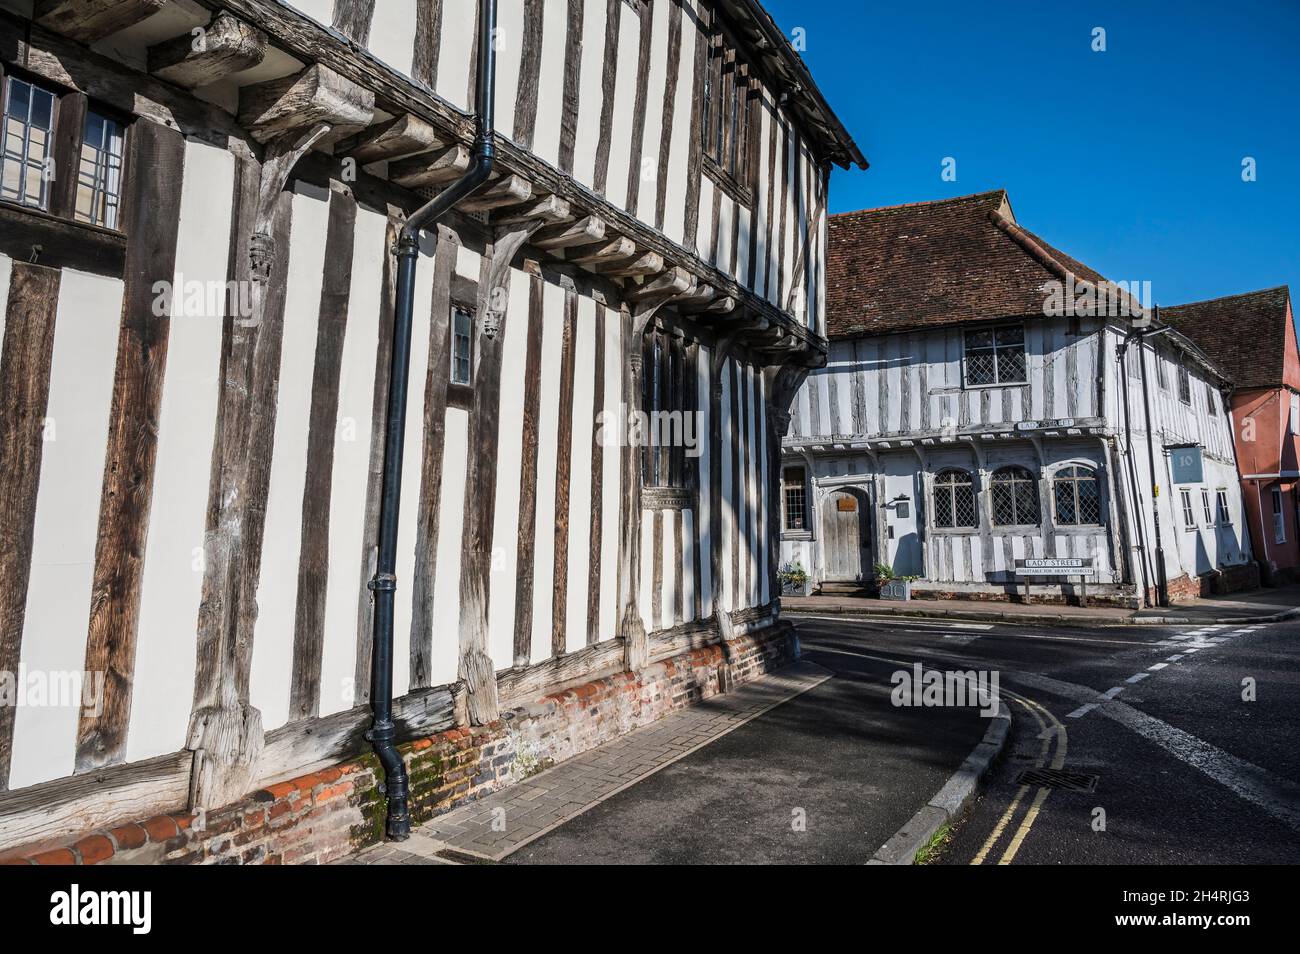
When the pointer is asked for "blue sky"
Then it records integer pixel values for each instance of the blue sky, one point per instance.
(1129, 159)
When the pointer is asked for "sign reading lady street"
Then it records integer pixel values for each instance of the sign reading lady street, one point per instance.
(1067, 566)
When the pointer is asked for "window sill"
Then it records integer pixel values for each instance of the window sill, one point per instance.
(989, 387)
(796, 535)
(724, 181)
(64, 243)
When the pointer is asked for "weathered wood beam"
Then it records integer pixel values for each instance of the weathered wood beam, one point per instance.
(225, 46)
(702, 295)
(419, 172)
(720, 305)
(316, 95)
(91, 20)
(508, 190)
(398, 138)
(617, 249)
(549, 209)
(675, 281)
(582, 232)
(642, 263)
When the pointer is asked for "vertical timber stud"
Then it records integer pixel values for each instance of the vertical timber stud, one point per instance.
(153, 211)
(225, 730)
(476, 667)
(24, 395)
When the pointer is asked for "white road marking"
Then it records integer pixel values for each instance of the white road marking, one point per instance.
(1277, 796)
(1112, 692)
(1138, 677)
(1174, 658)
(1083, 710)
(1158, 666)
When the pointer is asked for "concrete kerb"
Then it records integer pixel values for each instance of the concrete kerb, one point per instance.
(1036, 619)
(951, 800)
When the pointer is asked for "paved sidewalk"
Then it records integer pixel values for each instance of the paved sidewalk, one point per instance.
(494, 827)
(1257, 606)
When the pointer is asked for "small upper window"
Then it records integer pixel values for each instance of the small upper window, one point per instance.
(1078, 497)
(996, 356)
(1206, 508)
(25, 148)
(99, 176)
(1210, 401)
(1015, 498)
(954, 500)
(1162, 371)
(726, 110)
(462, 346)
(1184, 385)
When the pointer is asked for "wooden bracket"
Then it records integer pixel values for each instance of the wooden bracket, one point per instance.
(225, 46)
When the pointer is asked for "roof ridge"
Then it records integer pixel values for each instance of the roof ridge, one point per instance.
(927, 202)
(1284, 287)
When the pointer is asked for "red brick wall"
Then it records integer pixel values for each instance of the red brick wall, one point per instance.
(329, 814)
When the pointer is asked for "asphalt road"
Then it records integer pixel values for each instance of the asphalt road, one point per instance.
(1186, 771)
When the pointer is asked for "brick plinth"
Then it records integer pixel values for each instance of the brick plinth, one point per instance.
(333, 812)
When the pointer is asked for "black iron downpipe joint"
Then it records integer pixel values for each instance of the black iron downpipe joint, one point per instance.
(383, 734)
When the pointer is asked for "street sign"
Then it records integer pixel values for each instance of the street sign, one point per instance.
(1188, 465)
(1068, 566)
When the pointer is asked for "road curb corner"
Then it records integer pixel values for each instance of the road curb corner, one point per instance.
(951, 800)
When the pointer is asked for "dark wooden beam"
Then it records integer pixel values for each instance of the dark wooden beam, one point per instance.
(90, 20)
(226, 46)
(316, 95)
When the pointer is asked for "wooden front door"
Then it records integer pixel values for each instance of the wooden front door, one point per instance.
(845, 537)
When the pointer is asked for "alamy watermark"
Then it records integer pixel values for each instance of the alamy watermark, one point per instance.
(933, 688)
(636, 428)
(52, 689)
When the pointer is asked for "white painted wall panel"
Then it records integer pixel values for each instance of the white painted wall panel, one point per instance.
(67, 517)
(173, 560)
(451, 531)
(459, 27)
(277, 595)
(584, 389)
(547, 456)
(590, 93)
(510, 45)
(550, 81)
(688, 565)
(392, 35)
(648, 517)
(704, 232)
(656, 92)
(626, 80)
(510, 449)
(703, 389)
(728, 498)
(352, 466)
(611, 483)
(679, 145)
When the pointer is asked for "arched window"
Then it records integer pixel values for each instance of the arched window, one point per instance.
(954, 500)
(1078, 497)
(1015, 497)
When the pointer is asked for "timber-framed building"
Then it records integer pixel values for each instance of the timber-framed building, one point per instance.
(199, 205)
(980, 408)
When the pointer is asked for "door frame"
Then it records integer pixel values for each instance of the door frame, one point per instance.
(866, 529)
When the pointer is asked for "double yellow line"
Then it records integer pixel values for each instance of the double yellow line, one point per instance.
(1050, 728)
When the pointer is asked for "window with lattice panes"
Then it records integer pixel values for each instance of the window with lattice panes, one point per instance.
(25, 143)
(1015, 497)
(794, 495)
(669, 399)
(1189, 514)
(99, 173)
(725, 113)
(996, 356)
(954, 501)
(1078, 497)
(1184, 385)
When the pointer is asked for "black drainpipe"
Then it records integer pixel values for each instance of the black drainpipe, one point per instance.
(382, 732)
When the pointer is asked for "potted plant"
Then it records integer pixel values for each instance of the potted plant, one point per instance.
(892, 586)
(794, 579)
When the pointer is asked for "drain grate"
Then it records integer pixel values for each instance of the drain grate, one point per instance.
(1058, 778)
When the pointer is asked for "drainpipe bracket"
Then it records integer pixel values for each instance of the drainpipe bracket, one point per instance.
(386, 582)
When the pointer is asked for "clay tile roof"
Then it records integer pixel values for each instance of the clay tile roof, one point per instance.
(930, 264)
(1245, 335)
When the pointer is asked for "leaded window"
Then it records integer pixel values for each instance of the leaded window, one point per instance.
(99, 175)
(25, 143)
(725, 113)
(1210, 401)
(1078, 497)
(669, 399)
(794, 493)
(996, 356)
(1015, 498)
(954, 500)
(1184, 385)
(462, 346)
